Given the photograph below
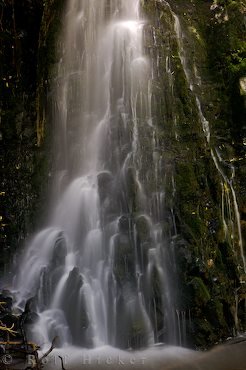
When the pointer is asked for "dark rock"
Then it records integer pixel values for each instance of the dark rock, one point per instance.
(104, 180)
(59, 251)
(123, 224)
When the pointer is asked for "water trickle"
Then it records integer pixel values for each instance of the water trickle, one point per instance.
(193, 79)
(93, 269)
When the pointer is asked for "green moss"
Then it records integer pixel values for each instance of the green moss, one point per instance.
(204, 333)
(196, 202)
(47, 58)
(216, 308)
(227, 61)
(137, 335)
(200, 291)
(186, 181)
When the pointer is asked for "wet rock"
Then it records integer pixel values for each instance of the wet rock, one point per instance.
(74, 281)
(77, 319)
(182, 251)
(124, 267)
(104, 180)
(131, 187)
(6, 302)
(200, 291)
(28, 318)
(242, 83)
(138, 335)
(123, 224)
(59, 251)
(143, 228)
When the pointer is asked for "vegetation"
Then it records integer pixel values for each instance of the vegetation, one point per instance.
(214, 45)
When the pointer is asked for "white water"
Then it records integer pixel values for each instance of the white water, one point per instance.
(92, 269)
(223, 357)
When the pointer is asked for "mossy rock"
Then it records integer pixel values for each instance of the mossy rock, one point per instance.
(138, 335)
(216, 316)
(186, 181)
(203, 333)
(200, 292)
(143, 228)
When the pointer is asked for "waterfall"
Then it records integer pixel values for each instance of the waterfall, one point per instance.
(99, 271)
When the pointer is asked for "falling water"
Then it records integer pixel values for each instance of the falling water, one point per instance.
(99, 271)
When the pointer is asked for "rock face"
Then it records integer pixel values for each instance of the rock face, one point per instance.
(20, 26)
(199, 78)
(242, 83)
(27, 55)
(201, 140)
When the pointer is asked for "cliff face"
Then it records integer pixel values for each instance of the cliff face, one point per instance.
(201, 44)
(197, 51)
(28, 52)
(20, 26)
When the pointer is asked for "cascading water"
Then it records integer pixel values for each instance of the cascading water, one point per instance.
(99, 271)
